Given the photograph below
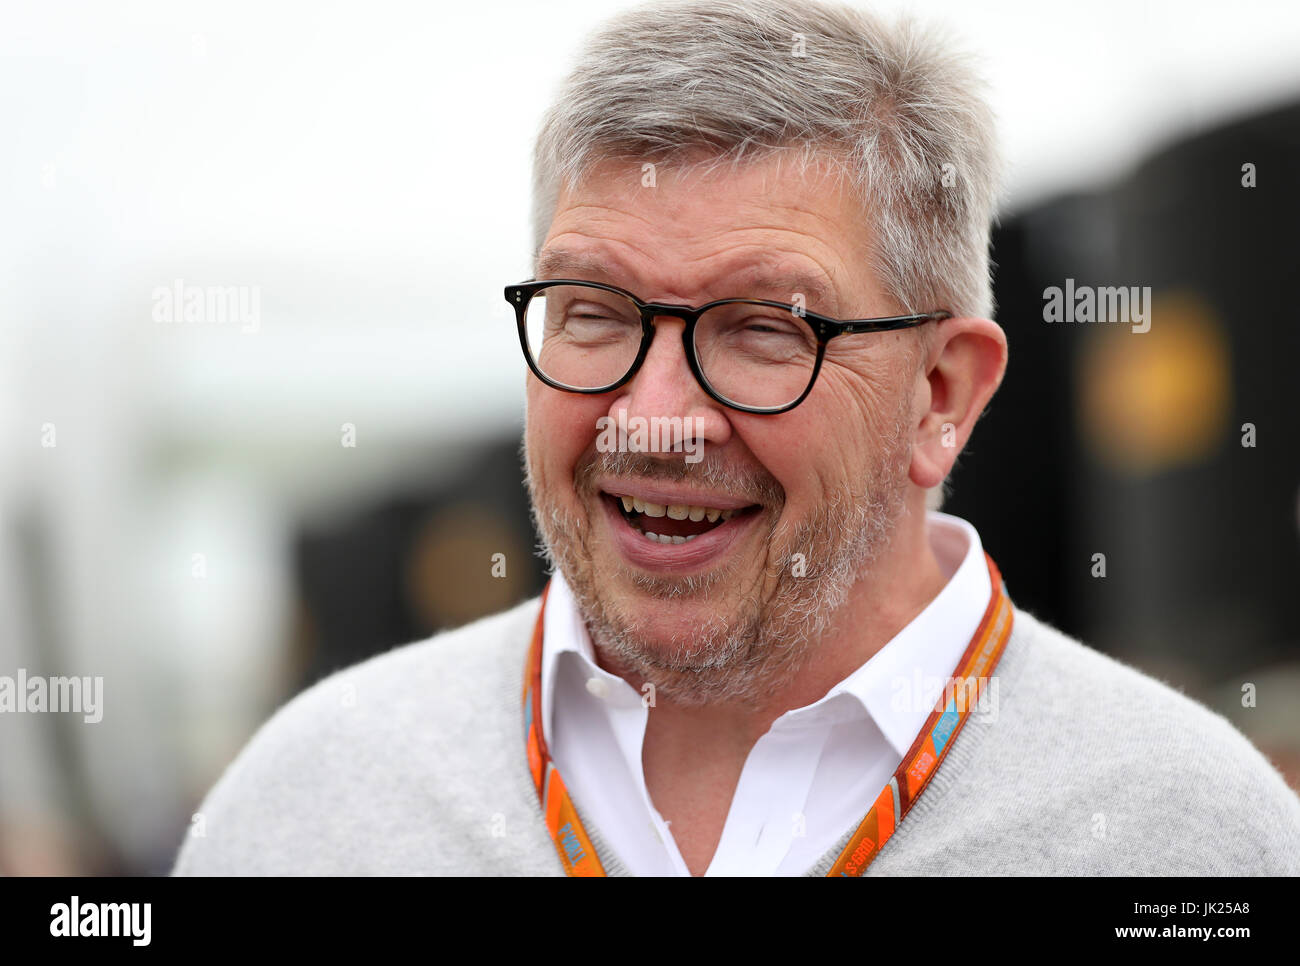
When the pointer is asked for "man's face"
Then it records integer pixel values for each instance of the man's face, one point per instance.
(808, 497)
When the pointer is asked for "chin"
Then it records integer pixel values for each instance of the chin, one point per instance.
(668, 625)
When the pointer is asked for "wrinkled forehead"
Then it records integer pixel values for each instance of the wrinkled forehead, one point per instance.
(764, 229)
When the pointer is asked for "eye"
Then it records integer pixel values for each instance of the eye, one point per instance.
(591, 311)
(769, 324)
(751, 326)
(585, 316)
(593, 323)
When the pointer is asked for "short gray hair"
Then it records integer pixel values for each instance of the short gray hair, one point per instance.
(900, 111)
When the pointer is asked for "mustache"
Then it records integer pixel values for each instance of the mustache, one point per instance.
(755, 485)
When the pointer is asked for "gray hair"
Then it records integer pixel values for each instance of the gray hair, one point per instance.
(895, 106)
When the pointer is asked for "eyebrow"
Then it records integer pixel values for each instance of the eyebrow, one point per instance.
(589, 266)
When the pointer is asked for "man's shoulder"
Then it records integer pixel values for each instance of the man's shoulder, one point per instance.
(444, 679)
(1101, 695)
(433, 677)
(1121, 755)
(400, 742)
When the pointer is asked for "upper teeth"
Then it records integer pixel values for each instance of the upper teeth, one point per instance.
(676, 511)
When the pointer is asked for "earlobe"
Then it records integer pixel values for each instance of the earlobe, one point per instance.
(928, 468)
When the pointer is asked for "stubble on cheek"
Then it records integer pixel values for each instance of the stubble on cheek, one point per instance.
(559, 517)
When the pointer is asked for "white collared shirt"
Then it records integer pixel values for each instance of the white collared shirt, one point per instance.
(809, 779)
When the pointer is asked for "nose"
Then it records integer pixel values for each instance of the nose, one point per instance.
(664, 388)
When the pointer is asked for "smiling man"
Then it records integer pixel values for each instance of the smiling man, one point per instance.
(797, 546)
(763, 650)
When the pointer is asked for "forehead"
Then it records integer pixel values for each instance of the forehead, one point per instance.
(763, 229)
(752, 276)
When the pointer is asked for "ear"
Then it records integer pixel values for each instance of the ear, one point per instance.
(961, 370)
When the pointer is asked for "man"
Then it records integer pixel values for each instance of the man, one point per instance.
(758, 339)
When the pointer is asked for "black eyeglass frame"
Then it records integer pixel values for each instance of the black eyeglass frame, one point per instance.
(823, 327)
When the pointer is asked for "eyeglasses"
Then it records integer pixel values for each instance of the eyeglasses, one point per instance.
(752, 355)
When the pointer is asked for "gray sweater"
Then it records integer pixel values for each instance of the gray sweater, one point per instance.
(412, 763)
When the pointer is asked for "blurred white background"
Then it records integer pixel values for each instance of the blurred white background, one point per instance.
(365, 167)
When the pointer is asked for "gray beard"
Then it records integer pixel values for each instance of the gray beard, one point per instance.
(743, 657)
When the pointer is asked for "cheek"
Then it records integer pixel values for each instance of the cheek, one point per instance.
(799, 449)
(560, 427)
(864, 402)
(819, 447)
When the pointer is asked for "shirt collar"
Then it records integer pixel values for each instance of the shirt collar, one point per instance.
(897, 686)
(565, 637)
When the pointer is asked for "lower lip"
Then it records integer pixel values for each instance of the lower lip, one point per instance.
(705, 550)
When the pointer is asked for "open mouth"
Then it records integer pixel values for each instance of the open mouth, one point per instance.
(674, 523)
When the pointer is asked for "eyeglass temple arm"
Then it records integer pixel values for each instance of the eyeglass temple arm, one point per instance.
(890, 324)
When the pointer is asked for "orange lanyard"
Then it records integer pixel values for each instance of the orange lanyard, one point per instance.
(923, 758)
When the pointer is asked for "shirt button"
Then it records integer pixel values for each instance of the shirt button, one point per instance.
(598, 687)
